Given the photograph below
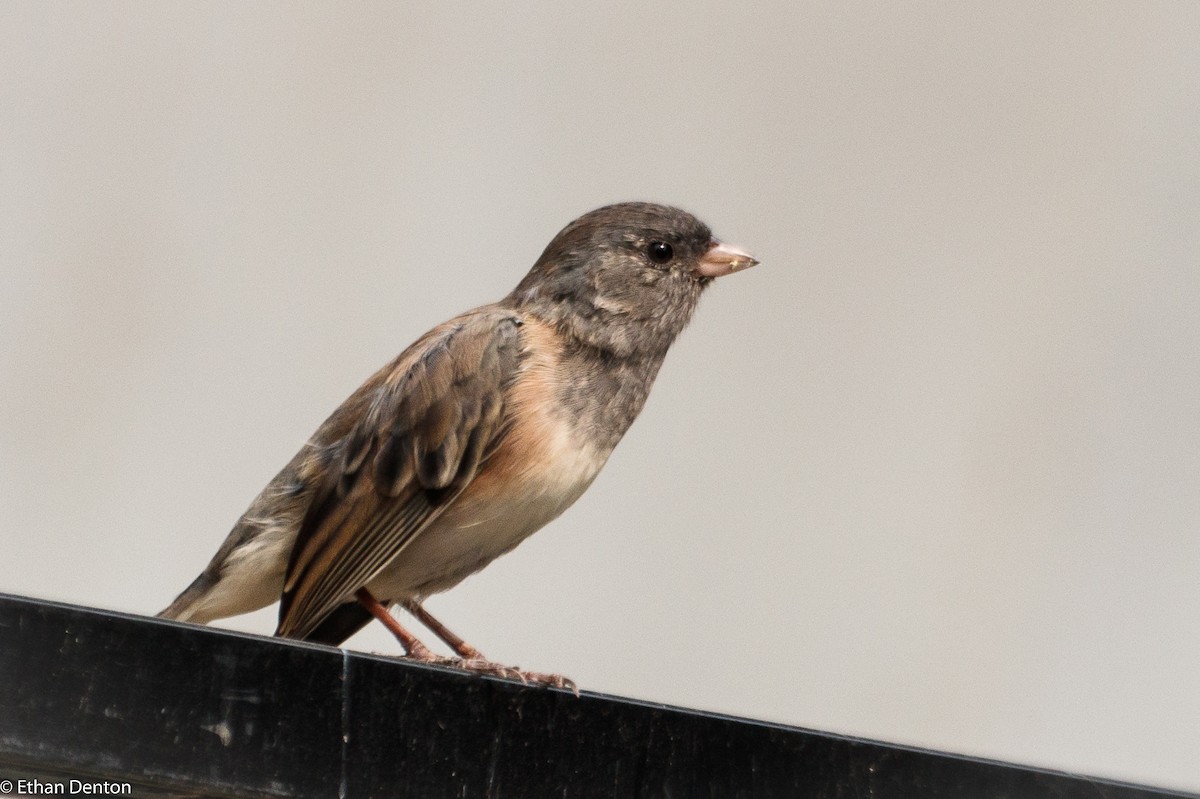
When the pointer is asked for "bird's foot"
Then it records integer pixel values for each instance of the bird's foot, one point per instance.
(423, 654)
(483, 666)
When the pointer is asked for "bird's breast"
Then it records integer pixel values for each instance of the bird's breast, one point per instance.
(545, 461)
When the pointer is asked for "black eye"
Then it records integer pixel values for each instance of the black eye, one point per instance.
(660, 252)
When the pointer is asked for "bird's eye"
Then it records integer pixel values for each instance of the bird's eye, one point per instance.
(660, 252)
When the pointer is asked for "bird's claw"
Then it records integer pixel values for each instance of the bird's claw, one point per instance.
(481, 666)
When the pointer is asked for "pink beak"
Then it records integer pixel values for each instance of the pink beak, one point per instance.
(723, 259)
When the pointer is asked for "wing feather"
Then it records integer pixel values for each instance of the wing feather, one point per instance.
(428, 426)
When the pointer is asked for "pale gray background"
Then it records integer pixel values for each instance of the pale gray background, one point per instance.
(930, 474)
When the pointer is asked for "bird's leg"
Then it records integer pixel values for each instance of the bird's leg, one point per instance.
(464, 650)
(413, 648)
(473, 659)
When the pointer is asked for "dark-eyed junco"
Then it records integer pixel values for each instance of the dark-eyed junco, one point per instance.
(474, 437)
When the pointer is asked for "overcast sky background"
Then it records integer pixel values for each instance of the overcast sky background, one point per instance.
(930, 474)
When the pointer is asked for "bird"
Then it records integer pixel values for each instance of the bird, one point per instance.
(480, 433)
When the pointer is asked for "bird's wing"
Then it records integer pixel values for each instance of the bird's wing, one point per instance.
(429, 424)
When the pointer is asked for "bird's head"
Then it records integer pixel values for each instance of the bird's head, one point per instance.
(626, 278)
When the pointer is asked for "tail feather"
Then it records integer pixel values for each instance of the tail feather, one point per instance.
(199, 604)
(339, 625)
(189, 604)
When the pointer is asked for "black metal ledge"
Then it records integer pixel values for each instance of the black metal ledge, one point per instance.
(175, 709)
